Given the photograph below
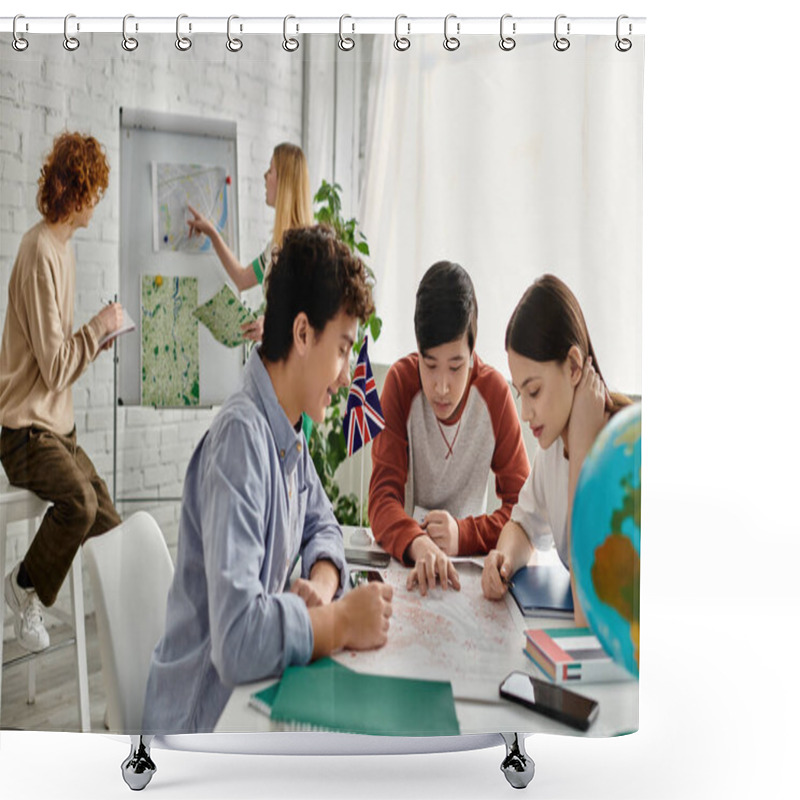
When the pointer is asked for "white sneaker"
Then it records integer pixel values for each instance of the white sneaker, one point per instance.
(28, 614)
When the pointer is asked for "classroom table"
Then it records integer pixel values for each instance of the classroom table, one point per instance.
(475, 669)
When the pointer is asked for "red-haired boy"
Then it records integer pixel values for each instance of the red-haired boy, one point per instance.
(40, 358)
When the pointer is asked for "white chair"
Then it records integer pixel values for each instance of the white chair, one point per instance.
(18, 505)
(130, 571)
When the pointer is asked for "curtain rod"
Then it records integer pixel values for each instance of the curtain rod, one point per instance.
(348, 25)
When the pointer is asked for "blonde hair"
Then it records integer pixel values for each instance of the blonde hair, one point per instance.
(293, 196)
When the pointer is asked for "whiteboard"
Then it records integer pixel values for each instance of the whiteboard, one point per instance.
(148, 137)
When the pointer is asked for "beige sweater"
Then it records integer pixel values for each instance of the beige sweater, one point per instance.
(40, 356)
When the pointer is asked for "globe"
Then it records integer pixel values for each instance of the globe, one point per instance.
(606, 536)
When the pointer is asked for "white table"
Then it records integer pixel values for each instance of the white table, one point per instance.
(477, 668)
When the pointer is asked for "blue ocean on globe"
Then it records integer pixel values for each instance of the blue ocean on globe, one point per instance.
(606, 536)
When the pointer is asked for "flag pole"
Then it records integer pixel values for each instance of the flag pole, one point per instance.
(363, 450)
(360, 396)
(361, 492)
(361, 536)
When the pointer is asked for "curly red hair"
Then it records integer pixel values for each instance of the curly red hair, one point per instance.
(74, 175)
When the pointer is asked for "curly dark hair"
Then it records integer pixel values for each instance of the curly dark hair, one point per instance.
(74, 175)
(316, 274)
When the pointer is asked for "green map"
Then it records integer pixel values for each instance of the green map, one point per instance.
(170, 349)
(224, 314)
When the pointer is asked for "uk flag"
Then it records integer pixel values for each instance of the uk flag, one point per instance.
(363, 419)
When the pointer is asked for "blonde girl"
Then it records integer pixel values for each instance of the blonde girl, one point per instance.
(288, 191)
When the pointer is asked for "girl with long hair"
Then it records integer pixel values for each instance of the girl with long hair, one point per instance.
(288, 191)
(565, 401)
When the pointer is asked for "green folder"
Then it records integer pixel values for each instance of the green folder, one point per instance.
(264, 699)
(224, 314)
(328, 696)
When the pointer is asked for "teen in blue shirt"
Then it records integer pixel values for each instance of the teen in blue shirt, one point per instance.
(253, 505)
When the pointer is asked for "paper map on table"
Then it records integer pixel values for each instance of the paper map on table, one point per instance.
(446, 635)
(175, 187)
(170, 349)
(224, 314)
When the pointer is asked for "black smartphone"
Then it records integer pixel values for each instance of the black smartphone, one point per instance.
(358, 577)
(553, 701)
(368, 558)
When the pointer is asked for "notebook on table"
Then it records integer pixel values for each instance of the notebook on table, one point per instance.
(543, 591)
(327, 696)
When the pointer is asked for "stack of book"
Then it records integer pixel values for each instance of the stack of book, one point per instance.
(571, 655)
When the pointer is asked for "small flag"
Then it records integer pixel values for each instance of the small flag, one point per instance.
(363, 419)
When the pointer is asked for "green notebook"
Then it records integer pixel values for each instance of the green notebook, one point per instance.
(328, 696)
(263, 700)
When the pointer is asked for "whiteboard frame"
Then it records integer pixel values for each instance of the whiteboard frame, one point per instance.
(147, 136)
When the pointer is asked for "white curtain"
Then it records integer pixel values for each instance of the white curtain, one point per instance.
(512, 164)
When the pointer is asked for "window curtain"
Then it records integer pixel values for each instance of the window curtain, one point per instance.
(512, 164)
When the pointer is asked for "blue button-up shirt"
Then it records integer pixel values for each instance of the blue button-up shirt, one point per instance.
(252, 504)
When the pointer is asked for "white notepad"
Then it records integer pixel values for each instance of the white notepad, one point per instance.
(127, 326)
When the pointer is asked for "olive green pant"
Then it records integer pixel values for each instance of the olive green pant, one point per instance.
(56, 469)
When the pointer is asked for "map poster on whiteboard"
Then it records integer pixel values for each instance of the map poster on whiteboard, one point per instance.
(170, 350)
(175, 188)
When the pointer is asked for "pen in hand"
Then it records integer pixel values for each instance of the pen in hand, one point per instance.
(503, 572)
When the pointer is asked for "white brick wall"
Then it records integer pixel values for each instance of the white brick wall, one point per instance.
(45, 90)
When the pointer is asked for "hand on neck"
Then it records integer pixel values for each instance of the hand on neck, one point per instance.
(565, 437)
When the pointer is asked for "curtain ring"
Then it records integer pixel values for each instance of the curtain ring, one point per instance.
(345, 42)
(623, 45)
(451, 43)
(233, 44)
(70, 42)
(401, 43)
(289, 44)
(129, 43)
(183, 43)
(507, 42)
(561, 43)
(19, 42)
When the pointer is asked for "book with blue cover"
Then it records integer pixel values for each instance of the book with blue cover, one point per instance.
(543, 591)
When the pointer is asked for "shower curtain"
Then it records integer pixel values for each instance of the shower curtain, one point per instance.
(513, 163)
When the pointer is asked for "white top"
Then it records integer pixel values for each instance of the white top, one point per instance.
(541, 509)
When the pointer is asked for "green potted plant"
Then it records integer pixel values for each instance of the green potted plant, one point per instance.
(326, 443)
